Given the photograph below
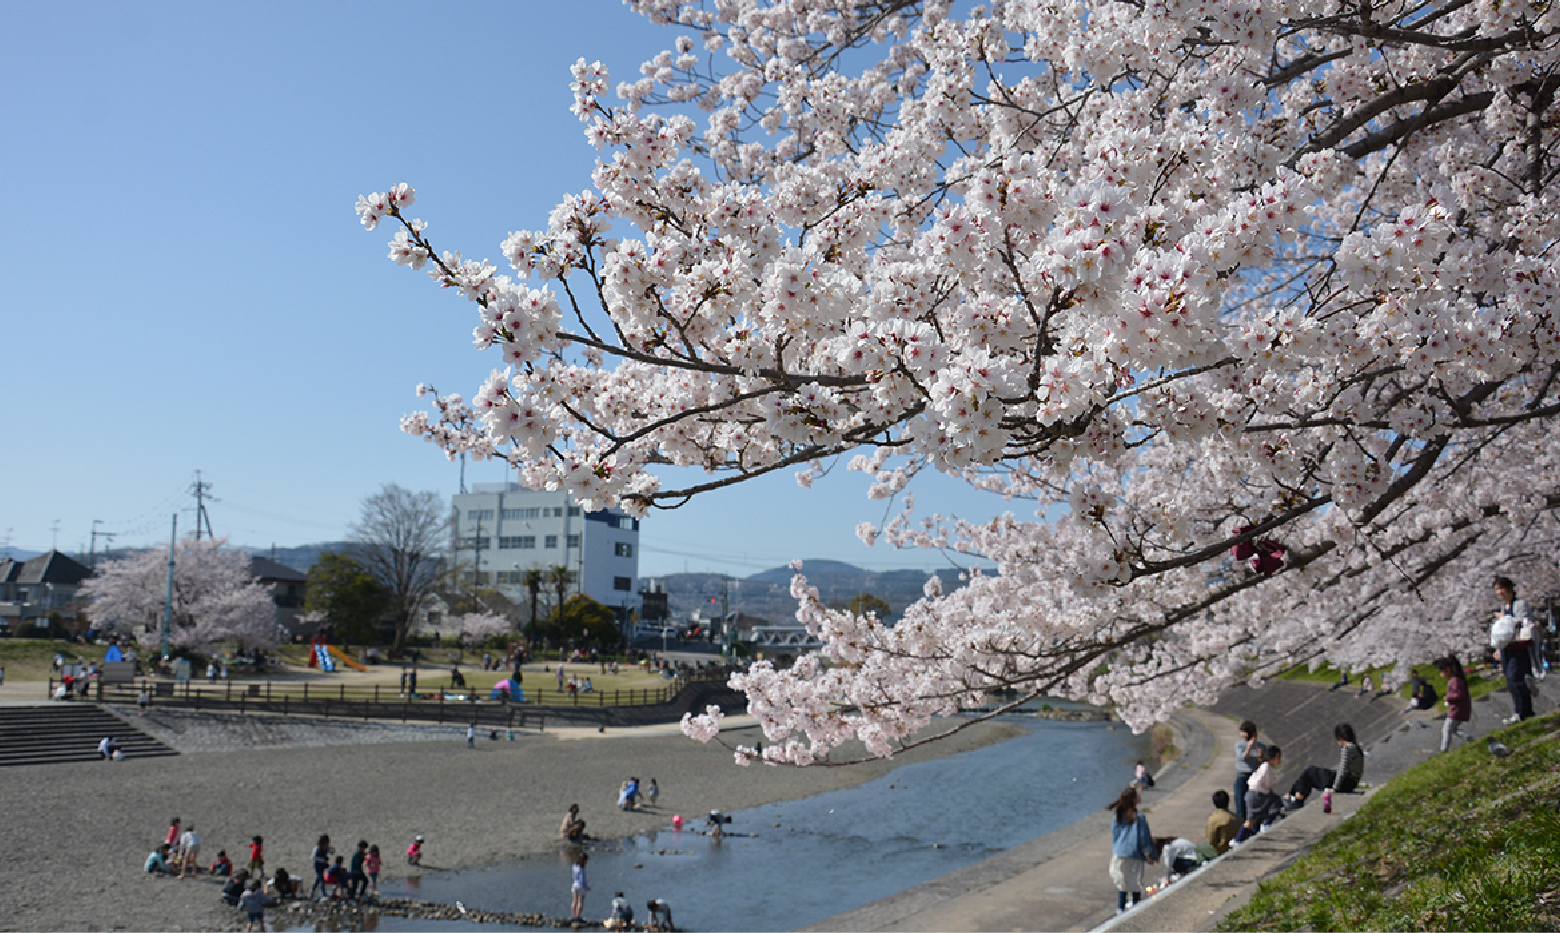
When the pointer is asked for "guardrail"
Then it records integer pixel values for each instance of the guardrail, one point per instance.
(385, 701)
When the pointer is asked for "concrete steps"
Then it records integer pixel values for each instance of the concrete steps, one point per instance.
(68, 731)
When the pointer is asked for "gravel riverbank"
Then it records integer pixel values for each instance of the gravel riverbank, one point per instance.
(75, 835)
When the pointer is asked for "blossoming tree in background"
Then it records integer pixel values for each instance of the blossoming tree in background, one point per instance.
(475, 628)
(1251, 305)
(216, 600)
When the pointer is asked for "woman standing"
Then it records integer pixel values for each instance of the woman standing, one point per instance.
(1514, 652)
(579, 887)
(1248, 757)
(1131, 848)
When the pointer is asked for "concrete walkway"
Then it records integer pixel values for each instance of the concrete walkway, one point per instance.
(1059, 881)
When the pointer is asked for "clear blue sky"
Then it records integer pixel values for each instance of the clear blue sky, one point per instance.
(186, 286)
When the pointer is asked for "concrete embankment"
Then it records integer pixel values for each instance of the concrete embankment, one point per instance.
(1060, 881)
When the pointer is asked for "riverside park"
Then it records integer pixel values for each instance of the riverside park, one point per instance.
(998, 827)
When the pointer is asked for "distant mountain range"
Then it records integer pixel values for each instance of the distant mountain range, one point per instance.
(768, 593)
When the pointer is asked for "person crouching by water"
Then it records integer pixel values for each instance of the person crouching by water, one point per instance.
(1131, 848)
(573, 828)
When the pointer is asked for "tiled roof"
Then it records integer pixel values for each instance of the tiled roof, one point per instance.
(267, 570)
(51, 567)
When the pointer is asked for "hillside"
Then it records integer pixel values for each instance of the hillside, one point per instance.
(767, 594)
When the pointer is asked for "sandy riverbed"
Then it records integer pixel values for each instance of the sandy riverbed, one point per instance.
(74, 836)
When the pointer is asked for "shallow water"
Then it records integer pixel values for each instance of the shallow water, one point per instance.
(809, 859)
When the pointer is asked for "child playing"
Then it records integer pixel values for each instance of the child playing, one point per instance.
(357, 876)
(223, 866)
(652, 793)
(172, 841)
(157, 862)
(1459, 707)
(414, 852)
(1131, 848)
(1142, 778)
(622, 913)
(336, 879)
(256, 856)
(660, 915)
(1262, 805)
(372, 864)
(189, 853)
(252, 903)
(1222, 824)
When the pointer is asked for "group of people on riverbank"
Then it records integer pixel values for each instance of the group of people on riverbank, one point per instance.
(1258, 805)
(178, 856)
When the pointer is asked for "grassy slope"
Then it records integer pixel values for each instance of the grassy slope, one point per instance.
(1461, 842)
(1480, 681)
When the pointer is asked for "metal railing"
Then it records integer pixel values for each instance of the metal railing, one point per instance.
(383, 701)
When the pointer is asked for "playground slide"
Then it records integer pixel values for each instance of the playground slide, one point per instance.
(324, 659)
(344, 658)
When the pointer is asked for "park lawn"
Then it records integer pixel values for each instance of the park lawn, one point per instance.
(1461, 842)
(33, 658)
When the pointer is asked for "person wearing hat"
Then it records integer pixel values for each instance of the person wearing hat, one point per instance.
(715, 821)
(414, 851)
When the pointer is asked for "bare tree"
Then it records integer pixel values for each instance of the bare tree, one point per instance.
(398, 538)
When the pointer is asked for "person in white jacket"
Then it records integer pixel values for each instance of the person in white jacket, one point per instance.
(1514, 652)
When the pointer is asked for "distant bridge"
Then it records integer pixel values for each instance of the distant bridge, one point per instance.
(783, 636)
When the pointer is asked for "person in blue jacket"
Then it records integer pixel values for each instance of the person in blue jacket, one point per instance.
(1131, 848)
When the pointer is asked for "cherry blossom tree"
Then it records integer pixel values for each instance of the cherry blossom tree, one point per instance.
(477, 627)
(1250, 306)
(216, 600)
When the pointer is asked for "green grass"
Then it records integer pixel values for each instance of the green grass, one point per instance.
(33, 658)
(1461, 842)
(1478, 683)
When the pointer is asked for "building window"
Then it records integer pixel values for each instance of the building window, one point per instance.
(527, 542)
(478, 578)
(574, 511)
(626, 523)
(553, 512)
(572, 541)
(550, 541)
(474, 543)
(516, 542)
(623, 584)
(623, 549)
(514, 515)
(510, 576)
(476, 515)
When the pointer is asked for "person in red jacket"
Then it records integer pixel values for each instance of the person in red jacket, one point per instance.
(1459, 706)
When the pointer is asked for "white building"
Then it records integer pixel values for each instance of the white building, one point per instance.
(501, 530)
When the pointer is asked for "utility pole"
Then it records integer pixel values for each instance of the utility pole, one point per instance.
(92, 554)
(173, 538)
(476, 553)
(54, 543)
(200, 489)
(8, 533)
